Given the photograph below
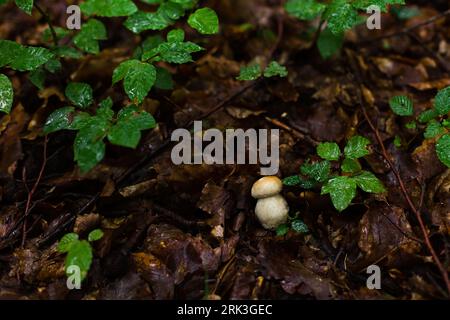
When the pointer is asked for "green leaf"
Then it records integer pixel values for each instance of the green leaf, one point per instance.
(299, 226)
(22, 58)
(249, 73)
(67, 241)
(174, 50)
(59, 119)
(80, 254)
(402, 106)
(319, 171)
(292, 181)
(329, 151)
(142, 21)
(356, 147)
(108, 8)
(66, 52)
(6, 94)
(139, 77)
(443, 149)
(176, 35)
(60, 33)
(329, 43)
(89, 148)
(341, 16)
(342, 191)
(171, 11)
(95, 235)
(275, 69)
(434, 129)
(442, 101)
(350, 165)
(205, 21)
(405, 13)
(53, 65)
(428, 115)
(79, 94)
(127, 131)
(397, 142)
(164, 79)
(304, 9)
(282, 230)
(368, 182)
(25, 5)
(91, 32)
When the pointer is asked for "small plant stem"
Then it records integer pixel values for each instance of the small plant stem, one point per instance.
(49, 22)
(33, 190)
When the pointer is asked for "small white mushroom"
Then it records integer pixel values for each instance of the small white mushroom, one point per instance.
(266, 187)
(271, 208)
(272, 211)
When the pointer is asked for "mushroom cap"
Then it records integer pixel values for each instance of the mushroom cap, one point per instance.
(266, 187)
(272, 211)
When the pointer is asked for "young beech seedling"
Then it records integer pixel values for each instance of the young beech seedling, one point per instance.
(436, 119)
(341, 186)
(271, 208)
(79, 252)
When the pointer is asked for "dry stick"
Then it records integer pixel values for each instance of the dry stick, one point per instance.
(49, 22)
(407, 30)
(399, 178)
(33, 190)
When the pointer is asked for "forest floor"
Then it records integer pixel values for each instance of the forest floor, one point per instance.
(189, 231)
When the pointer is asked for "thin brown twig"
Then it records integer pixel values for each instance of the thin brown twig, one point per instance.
(398, 176)
(33, 190)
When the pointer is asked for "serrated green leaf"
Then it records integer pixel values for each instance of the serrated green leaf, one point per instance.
(368, 182)
(356, 147)
(341, 16)
(319, 171)
(342, 191)
(138, 76)
(350, 165)
(434, 128)
(443, 149)
(89, 148)
(80, 254)
(59, 119)
(329, 43)
(428, 115)
(67, 241)
(402, 106)
(80, 94)
(249, 73)
(53, 65)
(171, 11)
(22, 58)
(6, 94)
(176, 35)
(299, 226)
(442, 101)
(91, 32)
(25, 5)
(176, 52)
(329, 151)
(304, 9)
(108, 8)
(275, 69)
(291, 181)
(205, 21)
(411, 125)
(142, 21)
(95, 235)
